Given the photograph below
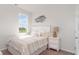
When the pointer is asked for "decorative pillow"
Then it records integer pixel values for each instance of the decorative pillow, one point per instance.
(44, 34)
(35, 34)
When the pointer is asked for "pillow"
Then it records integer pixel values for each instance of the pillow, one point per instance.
(44, 34)
(35, 34)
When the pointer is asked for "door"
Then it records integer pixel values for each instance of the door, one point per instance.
(77, 35)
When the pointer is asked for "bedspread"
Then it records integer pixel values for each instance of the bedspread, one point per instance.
(28, 45)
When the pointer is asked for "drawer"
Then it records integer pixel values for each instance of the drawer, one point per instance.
(54, 46)
(50, 43)
(53, 42)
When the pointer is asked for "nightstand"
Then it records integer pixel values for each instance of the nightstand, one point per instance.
(54, 43)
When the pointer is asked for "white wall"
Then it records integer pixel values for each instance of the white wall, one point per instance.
(64, 17)
(8, 22)
(61, 15)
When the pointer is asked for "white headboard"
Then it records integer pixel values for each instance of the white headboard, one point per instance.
(40, 28)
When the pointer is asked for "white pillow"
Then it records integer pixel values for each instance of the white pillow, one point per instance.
(44, 34)
(35, 34)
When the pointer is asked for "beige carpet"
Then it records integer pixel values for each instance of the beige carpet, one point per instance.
(46, 52)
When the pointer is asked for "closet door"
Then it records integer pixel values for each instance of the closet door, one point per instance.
(77, 30)
(77, 36)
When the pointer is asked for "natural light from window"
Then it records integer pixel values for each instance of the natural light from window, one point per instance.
(23, 23)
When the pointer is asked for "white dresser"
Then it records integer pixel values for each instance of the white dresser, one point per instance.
(54, 43)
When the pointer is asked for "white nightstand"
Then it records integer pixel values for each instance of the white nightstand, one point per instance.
(54, 43)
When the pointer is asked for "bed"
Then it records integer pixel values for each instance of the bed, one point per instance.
(32, 45)
(27, 46)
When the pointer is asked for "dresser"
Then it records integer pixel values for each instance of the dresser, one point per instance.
(54, 43)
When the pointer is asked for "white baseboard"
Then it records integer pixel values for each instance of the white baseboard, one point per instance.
(68, 50)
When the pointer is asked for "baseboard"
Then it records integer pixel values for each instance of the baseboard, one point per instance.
(68, 51)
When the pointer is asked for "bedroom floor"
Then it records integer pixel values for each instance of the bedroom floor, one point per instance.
(54, 52)
(46, 52)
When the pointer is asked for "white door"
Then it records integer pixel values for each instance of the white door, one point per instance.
(77, 36)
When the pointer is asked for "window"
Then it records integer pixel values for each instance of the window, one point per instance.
(23, 23)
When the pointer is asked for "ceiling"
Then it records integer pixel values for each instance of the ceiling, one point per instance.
(41, 7)
(38, 7)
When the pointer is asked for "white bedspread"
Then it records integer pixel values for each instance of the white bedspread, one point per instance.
(28, 45)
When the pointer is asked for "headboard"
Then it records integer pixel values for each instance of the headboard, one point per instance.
(40, 28)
